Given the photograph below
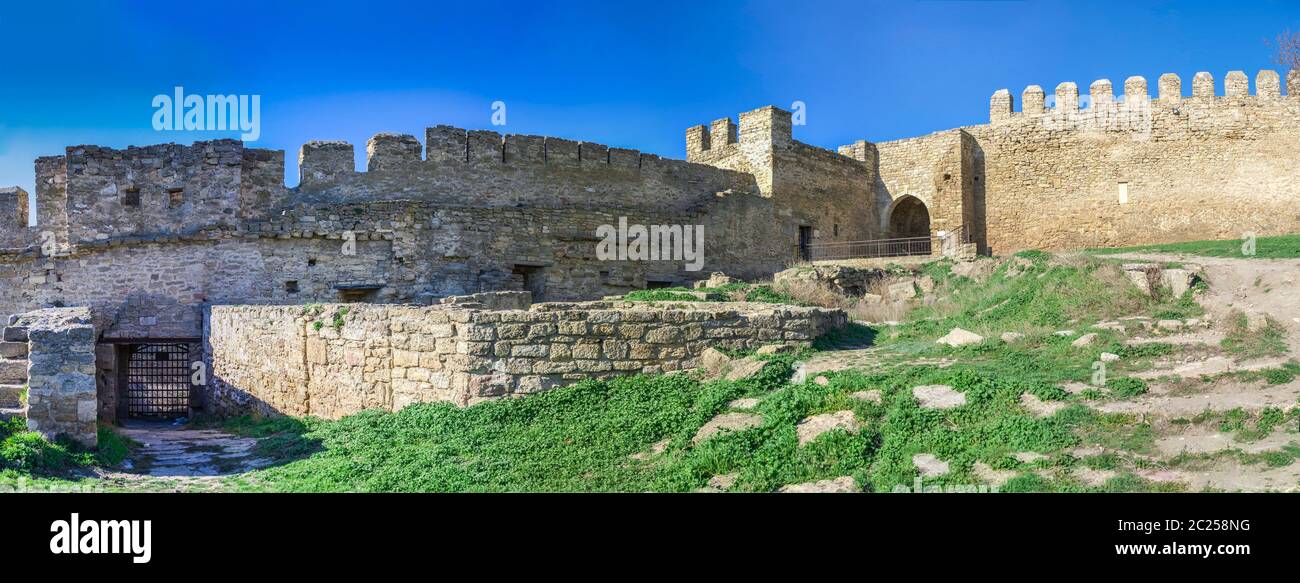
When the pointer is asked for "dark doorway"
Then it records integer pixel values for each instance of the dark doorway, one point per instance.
(531, 278)
(909, 218)
(805, 242)
(158, 380)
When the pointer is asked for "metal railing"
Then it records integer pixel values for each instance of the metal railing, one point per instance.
(945, 241)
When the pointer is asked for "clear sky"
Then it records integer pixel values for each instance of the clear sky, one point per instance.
(623, 73)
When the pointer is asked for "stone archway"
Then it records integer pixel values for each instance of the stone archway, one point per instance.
(908, 217)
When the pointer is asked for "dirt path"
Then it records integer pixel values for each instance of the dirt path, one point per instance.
(1266, 286)
(179, 457)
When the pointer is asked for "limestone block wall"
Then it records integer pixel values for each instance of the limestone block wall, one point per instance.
(1201, 167)
(167, 188)
(333, 360)
(937, 169)
(13, 217)
(830, 192)
(61, 393)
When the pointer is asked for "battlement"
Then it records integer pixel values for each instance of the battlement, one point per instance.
(767, 128)
(447, 147)
(1236, 91)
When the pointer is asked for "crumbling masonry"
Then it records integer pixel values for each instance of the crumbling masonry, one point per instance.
(161, 243)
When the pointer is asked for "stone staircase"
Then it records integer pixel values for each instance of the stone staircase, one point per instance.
(13, 372)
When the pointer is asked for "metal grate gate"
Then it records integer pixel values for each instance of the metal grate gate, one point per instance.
(158, 381)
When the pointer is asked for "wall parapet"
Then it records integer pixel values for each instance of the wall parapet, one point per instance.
(1236, 92)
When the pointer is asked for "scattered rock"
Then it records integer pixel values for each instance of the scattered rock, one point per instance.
(1111, 325)
(844, 484)
(1064, 333)
(746, 403)
(843, 280)
(1169, 324)
(714, 363)
(959, 337)
(938, 397)
(1039, 407)
(656, 448)
(1084, 340)
(744, 368)
(1109, 357)
(977, 271)
(718, 279)
(812, 427)
(1028, 457)
(873, 395)
(1010, 337)
(929, 466)
(902, 290)
(727, 422)
(723, 482)
(771, 349)
(821, 380)
(1178, 280)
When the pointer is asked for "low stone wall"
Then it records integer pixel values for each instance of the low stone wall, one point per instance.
(338, 359)
(61, 394)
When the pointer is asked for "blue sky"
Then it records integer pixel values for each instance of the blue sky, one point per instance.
(630, 74)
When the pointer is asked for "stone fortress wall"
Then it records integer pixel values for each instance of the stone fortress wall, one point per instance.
(153, 238)
(1107, 170)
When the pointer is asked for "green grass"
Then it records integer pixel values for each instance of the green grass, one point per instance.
(1279, 247)
(1243, 343)
(24, 452)
(582, 437)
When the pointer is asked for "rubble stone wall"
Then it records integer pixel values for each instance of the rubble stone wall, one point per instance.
(333, 360)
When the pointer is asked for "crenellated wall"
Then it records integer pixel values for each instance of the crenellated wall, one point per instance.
(830, 192)
(1201, 167)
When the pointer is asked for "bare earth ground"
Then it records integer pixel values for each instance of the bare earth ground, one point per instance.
(1253, 286)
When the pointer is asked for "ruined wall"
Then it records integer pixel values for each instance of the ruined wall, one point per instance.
(13, 217)
(334, 360)
(61, 394)
(1201, 167)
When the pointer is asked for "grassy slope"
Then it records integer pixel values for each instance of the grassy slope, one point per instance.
(1280, 247)
(581, 437)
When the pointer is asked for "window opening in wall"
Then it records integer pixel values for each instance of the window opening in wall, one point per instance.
(657, 284)
(175, 197)
(311, 262)
(131, 197)
(531, 278)
(291, 287)
(835, 229)
(1123, 193)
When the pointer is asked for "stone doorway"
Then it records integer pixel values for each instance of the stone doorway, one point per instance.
(909, 218)
(155, 380)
